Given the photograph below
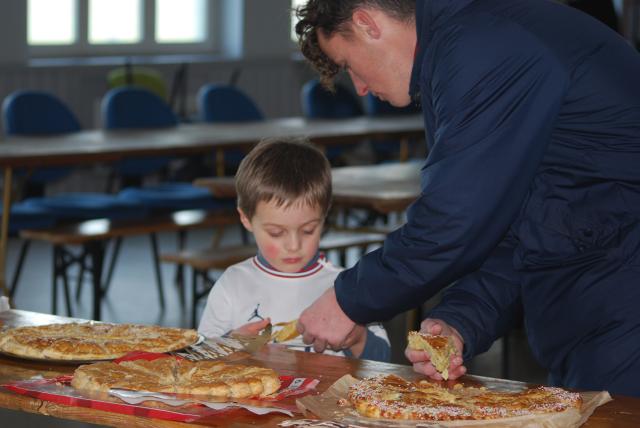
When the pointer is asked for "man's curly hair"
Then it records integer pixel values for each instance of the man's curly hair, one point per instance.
(333, 16)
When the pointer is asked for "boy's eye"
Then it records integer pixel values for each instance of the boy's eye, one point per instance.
(275, 234)
(309, 231)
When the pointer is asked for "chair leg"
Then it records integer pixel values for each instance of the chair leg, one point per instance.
(80, 280)
(156, 264)
(67, 295)
(179, 274)
(112, 264)
(24, 249)
(95, 251)
(54, 291)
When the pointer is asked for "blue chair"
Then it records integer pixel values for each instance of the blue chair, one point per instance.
(374, 106)
(320, 103)
(132, 107)
(137, 108)
(222, 103)
(38, 113)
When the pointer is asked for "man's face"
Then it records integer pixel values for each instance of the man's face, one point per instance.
(380, 65)
(287, 236)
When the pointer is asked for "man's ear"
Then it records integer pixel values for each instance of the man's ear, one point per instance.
(244, 220)
(366, 23)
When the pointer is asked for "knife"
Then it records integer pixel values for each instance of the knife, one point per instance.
(252, 343)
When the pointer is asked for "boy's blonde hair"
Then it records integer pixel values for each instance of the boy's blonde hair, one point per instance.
(286, 171)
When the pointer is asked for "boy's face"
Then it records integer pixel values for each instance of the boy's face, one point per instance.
(287, 236)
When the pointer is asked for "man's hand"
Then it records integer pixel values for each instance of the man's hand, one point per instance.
(421, 360)
(252, 328)
(323, 324)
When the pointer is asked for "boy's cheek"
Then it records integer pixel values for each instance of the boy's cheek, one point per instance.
(271, 251)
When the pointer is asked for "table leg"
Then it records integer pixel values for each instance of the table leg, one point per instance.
(220, 162)
(404, 149)
(4, 230)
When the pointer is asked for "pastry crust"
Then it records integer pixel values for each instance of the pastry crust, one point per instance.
(439, 348)
(288, 331)
(210, 378)
(92, 341)
(392, 397)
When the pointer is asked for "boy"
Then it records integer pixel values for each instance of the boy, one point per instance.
(284, 194)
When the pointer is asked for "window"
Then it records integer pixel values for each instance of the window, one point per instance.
(117, 27)
(294, 20)
(43, 13)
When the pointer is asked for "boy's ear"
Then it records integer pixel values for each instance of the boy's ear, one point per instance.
(365, 23)
(244, 220)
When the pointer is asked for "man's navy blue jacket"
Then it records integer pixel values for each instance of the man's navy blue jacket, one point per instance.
(530, 193)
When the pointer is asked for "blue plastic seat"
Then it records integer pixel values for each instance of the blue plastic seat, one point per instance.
(132, 107)
(174, 196)
(28, 112)
(87, 206)
(25, 216)
(320, 103)
(222, 103)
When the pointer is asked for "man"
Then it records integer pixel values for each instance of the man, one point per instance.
(530, 193)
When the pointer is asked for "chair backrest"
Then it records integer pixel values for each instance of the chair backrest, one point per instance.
(144, 77)
(132, 107)
(320, 103)
(37, 113)
(225, 103)
(374, 106)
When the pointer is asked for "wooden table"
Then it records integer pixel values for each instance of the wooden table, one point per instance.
(382, 188)
(100, 146)
(621, 413)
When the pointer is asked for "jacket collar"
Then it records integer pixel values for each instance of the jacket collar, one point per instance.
(430, 14)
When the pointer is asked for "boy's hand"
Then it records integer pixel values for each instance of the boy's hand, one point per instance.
(422, 362)
(252, 328)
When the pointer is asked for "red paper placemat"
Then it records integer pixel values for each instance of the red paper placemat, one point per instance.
(58, 390)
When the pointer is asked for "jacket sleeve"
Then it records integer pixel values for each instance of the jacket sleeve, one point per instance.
(483, 304)
(494, 94)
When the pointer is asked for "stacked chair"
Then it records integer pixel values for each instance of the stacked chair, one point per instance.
(320, 103)
(129, 108)
(41, 113)
(222, 103)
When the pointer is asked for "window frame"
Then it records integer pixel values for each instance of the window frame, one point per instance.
(147, 46)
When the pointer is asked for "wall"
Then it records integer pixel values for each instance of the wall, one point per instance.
(260, 48)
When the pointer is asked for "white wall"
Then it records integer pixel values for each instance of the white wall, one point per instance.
(260, 47)
(13, 32)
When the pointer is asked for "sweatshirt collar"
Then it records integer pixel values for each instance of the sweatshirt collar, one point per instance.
(315, 264)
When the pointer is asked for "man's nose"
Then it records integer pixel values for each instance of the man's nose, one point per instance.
(361, 88)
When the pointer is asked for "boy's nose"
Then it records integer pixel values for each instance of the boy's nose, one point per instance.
(293, 243)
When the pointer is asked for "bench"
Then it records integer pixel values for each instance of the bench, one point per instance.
(94, 235)
(219, 258)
